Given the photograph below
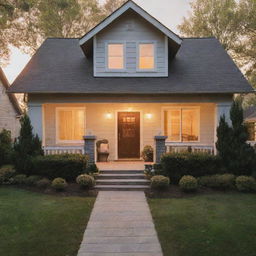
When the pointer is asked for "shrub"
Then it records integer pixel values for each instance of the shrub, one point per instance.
(160, 182)
(85, 181)
(19, 179)
(147, 153)
(208, 181)
(188, 183)
(59, 184)
(32, 180)
(176, 165)
(66, 166)
(43, 183)
(6, 150)
(6, 173)
(92, 168)
(245, 183)
(224, 181)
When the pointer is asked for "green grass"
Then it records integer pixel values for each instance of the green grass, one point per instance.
(206, 225)
(35, 224)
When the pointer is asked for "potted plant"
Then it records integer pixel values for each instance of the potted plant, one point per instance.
(147, 153)
(102, 150)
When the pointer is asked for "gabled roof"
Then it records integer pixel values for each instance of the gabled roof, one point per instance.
(200, 66)
(86, 41)
(12, 98)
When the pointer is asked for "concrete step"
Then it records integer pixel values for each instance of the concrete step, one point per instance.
(121, 176)
(122, 187)
(121, 171)
(122, 182)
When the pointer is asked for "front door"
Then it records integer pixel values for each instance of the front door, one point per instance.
(128, 135)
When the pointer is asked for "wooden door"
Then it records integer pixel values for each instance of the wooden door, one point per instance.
(128, 135)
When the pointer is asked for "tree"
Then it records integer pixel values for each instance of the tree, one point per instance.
(26, 146)
(237, 156)
(233, 23)
(111, 5)
(5, 147)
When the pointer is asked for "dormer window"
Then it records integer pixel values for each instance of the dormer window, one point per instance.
(115, 53)
(146, 56)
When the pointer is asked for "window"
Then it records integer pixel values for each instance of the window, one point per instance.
(251, 128)
(182, 124)
(70, 124)
(115, 56)
(146, 56)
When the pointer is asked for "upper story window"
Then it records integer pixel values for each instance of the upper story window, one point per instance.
(116, 56)
(146, 56)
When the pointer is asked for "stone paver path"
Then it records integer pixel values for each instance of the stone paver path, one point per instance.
(120, 224)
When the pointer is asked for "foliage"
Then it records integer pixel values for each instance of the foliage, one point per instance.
(59, 184)
(32, 180)
(43, 183)
(26, 146)
(245, 183)
(224, 181)
(5, 147)
(66, 166)
(233, 23)
(160, 182)
(19, 179)
(237, 156)
(92, 169)
(85, 181)
(6, 173)
(147, 153)
(176, 165)
(188, 183)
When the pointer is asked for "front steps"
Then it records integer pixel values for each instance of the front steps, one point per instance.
(122, 180)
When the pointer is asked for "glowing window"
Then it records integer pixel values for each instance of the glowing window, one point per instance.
(70, 124)
(115, 56)
(146, 56)
(182, 125)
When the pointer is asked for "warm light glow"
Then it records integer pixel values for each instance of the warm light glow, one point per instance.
(146, 56)
(130, 109)
(109, 115)
(148, 115)
(115, 56)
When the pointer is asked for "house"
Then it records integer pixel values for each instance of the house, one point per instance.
(250, 122)
(9, 108)
(132, 81)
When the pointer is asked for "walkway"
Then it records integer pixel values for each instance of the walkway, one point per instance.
(120, 225)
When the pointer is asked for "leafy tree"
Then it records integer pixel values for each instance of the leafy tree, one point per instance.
(5, 147)
(237, 156)
(233, 23)
(111, 5)
(26, 146)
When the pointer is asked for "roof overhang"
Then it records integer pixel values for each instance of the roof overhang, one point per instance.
(86, 41)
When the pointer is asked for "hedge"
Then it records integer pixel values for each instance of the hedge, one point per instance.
(66, 166)
(176, 165)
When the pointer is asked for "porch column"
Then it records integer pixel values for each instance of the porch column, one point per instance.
(89, 148)
(160, 147)
(35, 113)
(220, 110)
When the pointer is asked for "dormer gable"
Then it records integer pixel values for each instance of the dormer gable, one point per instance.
(130, 43)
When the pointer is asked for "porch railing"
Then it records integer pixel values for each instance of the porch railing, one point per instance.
(179, 148)
(63, 150)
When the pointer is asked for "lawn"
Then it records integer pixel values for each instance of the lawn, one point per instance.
(36, 224)
(212, 225)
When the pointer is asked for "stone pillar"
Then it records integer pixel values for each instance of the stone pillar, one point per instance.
(160, 147)
(89, 148)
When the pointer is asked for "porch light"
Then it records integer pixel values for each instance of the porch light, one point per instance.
(109, 115)
(148, 115)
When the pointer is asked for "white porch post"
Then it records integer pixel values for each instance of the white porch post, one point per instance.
(35, 113)
(221, 109)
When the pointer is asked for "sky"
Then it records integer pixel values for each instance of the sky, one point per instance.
(169, 12)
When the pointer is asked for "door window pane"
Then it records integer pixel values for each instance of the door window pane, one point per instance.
(190, 125)
(115, 56)
(146, 56)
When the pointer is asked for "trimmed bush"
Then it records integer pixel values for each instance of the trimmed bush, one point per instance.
(176, 165)
(6, 173)
(223, 181)
(32, 180)
(43, 183)
(147, 153)
(160, 182)
(85, 181)
(66, 166)
(208, 181)
(245, 183)
(59, 184)
(188, 183)
(19, 179)
(92, 169)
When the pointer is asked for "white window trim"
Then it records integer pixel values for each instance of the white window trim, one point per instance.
(180, 108)
(57, 110)
(106, 57)
(138, 56)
